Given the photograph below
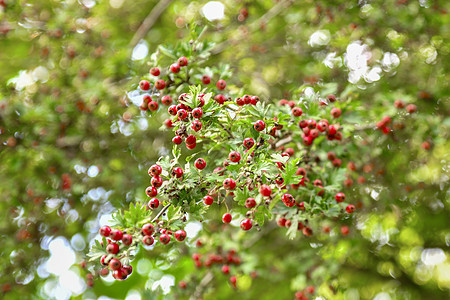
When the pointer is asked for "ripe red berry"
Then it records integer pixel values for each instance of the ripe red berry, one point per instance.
(153, 203)
(182, 61)
(177, 172)
(249, 142)
(182, 114)
(191, 139)
(226, 218)
(411, 108)
(221, 84)
(220, 99)
(172, 110)
(196, 125)
(307, 140)
(144, 85)
(331, 98)
(350, 208)
(200, 163)
(340, 197)
(250, 203)
(115, 264)
(181, 106)
(234, 156)
(155, 71)
(254, 100)
(197, 113)
(180, 235)
(153, 106)
(297, 111)
(240, 101)
(322, 126)
(288, 200)
(332, 130)
(246, 224)
(157, 181)
(311, 124)
(175, 68)
(103, 260)
(399, 104)
(160, 84)
(166, 100)
(281, 222)
(148, 229)
(177, 140)
(302, 123)
(259, 125)
(127, 270)
(155, 170)
(127, 239)
(105, 231)
(208, 200)
(191, 146)
(345, 230)
(314, 133)
(148, 240)
(168, 123)
(164, 239)
(229, 184)
(225, 269)
(112, 248)
(116, 234)
(119, 275)
(247, 99)
(206, 79)
(331, 156)
(335, 112)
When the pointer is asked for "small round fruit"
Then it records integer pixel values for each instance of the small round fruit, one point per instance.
(411, 108)
(229, 184)
(340, 197)
(250, 203)
(254, 100)
(182, 114)
(177, 172)
(164, 239)
(153, 106)
(233, 281)
(177, 140)
(148, 229)
(155, 170)
(288, 200)
(127, 239)
(206, 79)
(225, 269)
(208, 200)
(148, 240)
(220, 99)
(350, 208)
(166, 100)
(265, 190)
(345, 230)
(226, 218)
(297, 111)
(144, 85)
(180, 235)
(221, 84)
(116, 234)
(112, 248)
(157, 181)
(160, 84)
(200, 163)
(249, 142)
(115, 264)
(197, 113)
(240, 101)
(191, 146)
(234, 156)
(127, 270)
(119, 275)
(155, 71)
(151, 191)
(191, 139)
(259, 125)
(196, 125)
(103, 260)
(246, 224)
(335, 112)
(175, 68)
(153, 203)
(182, 61)
(105, 231)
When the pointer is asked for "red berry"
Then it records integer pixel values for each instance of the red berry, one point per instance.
(127, 270)
(116, 234)
(281, 222)
(182, 61)
(233, 281)
(157, 181)
(206, 79)
(322, 126)
(144, 85)
(288, 200)
(148, 229)
(164, 239)
(220, 99)
(191, 146)
(103, 260)
(240, 101)
(155, 71)
(146, 99)
(153, 203)
(312, 124)
(112, 248)
(182, 114)
(166, 100)
(191, 139)
(119, 275)
(297, 111)
(196, 125)
(177, 172)
(229, 184)
(221, 84)
(331, 98)
(177, 140)
(254, 100)
(172, 110)
(175, 68)
(105, 230)
(345, 230)
(168, 123)
(399, 104)
(340, 197)
(180, 235)
(247, 99)
(250, 203)
(200, 163)
(336, 112)
(182, 285)
(153, 106)
(115, 264)
(208, 200)
(155, 170)
(127, 239)
(259, 125)
(302, 123)
(148, 240)
(249, 142)
(160, 84)
(234, 156)
(225, 269)
(350, 208)
(411, 108)
(197, 113)
(332, 130)
(226, 218)
(246, 224)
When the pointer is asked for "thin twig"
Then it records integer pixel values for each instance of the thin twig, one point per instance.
(163, 210)
(149, 21)
(203, 283)
(227, 130)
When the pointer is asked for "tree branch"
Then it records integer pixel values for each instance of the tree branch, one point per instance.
(201, 286)
(161, 212)
(149, 21)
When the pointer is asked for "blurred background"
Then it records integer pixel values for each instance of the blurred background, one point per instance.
(73, 149)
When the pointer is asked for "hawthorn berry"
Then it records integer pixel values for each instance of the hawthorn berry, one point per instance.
(153, 106)
(144, 85)
(148, 229)
(234, 156)
(331, 98)
(127, 239)
(220, 99)
(103, 260)
(197, 113)
(307, 140)
(166, 100)
(246, 224)
(168, 123)
(153, 203)
(411, 108)
(180, 235)
(350, 208)
(115, 264)
(164, 238)
(127, 270)
(331, 156)
(247, 99)
(112, 248)
(340, 197)
(206, 79)
(155, 71)
(322, 126)
(288, 200)
(259, 125)
(182, 114)
(332, 130)
(172, 110)
(312, 124)
(221, 84)
(254, 100)
(208, 200)
(297, 111)
(119, 275)
(229, 184)
(175, 68)
(249, 142)
(196, 125)
(160, 84)
(182, 61)
(314, 133)
(250, 203)
(177, 140)
(345, 230)
(116, 234)
(226, 218)
(191, 146)
(225, 269)
(191, 140)
(177, 172)
(155, 170)
(399, 103)
(200, 163)
(281, 222)
(240, 101)
(156, 181)
(335, 112)
(105, 231)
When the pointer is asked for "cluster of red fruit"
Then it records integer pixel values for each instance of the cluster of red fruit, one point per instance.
(302, 295)
(384, 124)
